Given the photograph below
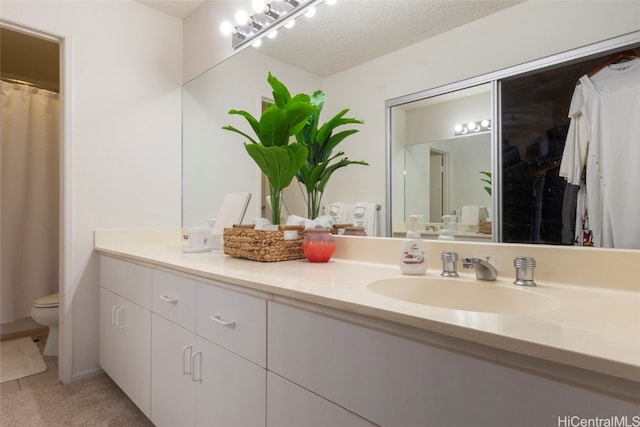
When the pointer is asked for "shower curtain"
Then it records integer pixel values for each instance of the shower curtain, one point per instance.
(29, 197)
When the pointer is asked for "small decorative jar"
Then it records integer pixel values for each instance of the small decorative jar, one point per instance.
(318, 244)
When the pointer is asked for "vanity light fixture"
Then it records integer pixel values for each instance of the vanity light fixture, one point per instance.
(268, 17)
(472, 127)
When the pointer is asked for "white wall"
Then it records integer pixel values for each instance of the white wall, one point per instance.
(122, 118)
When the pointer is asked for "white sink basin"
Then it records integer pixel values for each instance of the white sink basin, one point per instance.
(467, 295)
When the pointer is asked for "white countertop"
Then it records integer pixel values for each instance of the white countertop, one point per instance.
(593, 328)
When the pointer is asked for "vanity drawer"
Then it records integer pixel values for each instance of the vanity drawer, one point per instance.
(130, 281)
(174, 298)
(233, 320)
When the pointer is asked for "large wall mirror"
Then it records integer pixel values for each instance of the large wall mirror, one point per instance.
(526, 106)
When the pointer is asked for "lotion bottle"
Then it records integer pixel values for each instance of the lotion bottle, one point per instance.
(412, 259)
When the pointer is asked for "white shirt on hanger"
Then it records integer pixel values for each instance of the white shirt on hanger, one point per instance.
(604, 136)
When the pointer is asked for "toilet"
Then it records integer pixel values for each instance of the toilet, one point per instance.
(45, 312)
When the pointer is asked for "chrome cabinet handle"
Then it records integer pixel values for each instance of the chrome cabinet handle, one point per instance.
(186, 370)
(167, 298)
(195, 379)
(229, 324)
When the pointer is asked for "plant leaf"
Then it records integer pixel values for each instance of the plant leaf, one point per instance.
(336, 139)
(274, 129)
(281, 94)
(337, 120)
(231, 128)
(255, 124)
(299, 109)
(279, 163)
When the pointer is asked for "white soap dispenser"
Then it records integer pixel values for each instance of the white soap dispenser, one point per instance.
(412, 259)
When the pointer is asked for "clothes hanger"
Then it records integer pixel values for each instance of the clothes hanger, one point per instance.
(627, 55)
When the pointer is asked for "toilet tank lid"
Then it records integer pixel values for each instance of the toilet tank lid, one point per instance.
(48, 301)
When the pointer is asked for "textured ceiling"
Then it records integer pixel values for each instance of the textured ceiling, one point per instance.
(352, 32)
(178, 8)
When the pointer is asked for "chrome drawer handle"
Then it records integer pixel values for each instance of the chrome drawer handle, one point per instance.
(218, 320)
(167, 298)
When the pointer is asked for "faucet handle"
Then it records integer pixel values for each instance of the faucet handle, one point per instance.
(449, 260)
(524, 271)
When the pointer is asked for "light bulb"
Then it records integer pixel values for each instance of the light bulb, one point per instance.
(258, 6)
(226, 28)
(257, 43)
(471, 126)
(242, 17)
(273, 34)
(458, 128)
(290, 23)
(485, 124)
(309, 13)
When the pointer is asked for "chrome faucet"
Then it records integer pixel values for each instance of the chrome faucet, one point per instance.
(484, 270)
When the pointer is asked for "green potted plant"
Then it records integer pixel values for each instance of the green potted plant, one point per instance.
(487, 188)
(321, 163)
(271, 149)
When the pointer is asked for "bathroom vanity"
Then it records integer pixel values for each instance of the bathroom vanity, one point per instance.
(206, 339)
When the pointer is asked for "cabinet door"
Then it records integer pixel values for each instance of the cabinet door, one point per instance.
(289, 405)
(230, 390)
(125, 346)
(173, 395)
(111, 337)
(126, 279)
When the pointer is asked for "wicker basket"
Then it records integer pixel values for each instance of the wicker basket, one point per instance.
(263, 245)
(485, 227)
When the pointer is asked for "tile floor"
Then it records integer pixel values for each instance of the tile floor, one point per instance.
(48, 377)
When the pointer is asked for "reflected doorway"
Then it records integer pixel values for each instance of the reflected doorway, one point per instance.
(438, 161)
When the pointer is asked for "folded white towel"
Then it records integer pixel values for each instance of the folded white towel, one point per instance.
(470, 215)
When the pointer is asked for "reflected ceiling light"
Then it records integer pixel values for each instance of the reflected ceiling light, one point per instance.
(273, 34)
(242, 17)
(258, 6)
(257, 43)
(268, 16)
(472, 127)
(226, 28)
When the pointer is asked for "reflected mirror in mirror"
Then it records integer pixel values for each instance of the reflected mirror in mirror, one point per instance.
(442, 164)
